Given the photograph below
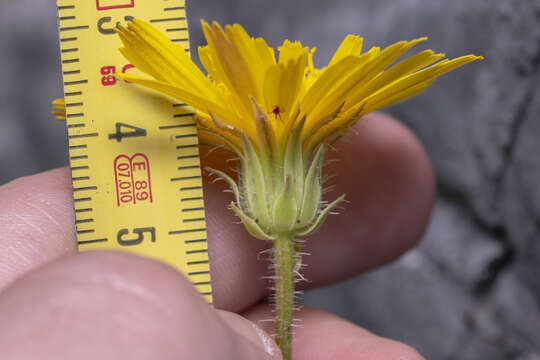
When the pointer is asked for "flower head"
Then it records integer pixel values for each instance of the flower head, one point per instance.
(278, 114)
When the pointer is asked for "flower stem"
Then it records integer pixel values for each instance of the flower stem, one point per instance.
(284, 259)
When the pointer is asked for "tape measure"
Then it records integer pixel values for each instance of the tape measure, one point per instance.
(134, 155)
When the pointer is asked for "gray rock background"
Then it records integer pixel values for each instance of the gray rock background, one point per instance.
(472, 289)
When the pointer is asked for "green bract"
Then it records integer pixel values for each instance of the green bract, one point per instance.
(276, 196)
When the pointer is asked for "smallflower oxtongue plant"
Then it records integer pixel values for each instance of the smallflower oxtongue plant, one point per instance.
(279, 117)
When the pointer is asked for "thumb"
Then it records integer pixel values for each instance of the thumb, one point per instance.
(252, 332)
(107, 305)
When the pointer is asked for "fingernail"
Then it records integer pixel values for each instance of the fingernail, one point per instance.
(268, 343)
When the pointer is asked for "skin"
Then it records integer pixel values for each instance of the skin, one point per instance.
(57, 304)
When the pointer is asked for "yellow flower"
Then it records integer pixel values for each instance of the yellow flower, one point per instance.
(279, 116)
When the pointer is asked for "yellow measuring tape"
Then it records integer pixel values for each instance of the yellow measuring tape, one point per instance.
(134, 155)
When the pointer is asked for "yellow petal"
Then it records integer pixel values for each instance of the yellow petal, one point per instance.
(232, 67)
(369, 70)
(336, 127)
(393, 74)
(254, 52)
(281, 76)
(213, 138)
(266, 54)
(326, 81)
(402, 86)
(134, 56)
(291, 51)
(405, 94)
(59, 103)
(186, 95)
(231, 139)
(351, 45)
(336, 95)
(158, 55)
(59, 109)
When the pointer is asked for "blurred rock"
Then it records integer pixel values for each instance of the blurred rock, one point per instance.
(29, 68)
(459, 247)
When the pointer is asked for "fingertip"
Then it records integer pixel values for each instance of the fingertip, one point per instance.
(109, 279)
(345, 340)
(112, 305)
(252, 332)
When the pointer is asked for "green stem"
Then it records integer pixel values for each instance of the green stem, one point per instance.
(284, 261)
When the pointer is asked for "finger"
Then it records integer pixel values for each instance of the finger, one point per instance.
(118, 306)
(322, 336)
(389, 185)
(36, 220)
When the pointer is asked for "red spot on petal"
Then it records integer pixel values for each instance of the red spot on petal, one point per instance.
(277, 112)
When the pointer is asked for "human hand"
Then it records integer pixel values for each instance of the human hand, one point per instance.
(57, 304)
